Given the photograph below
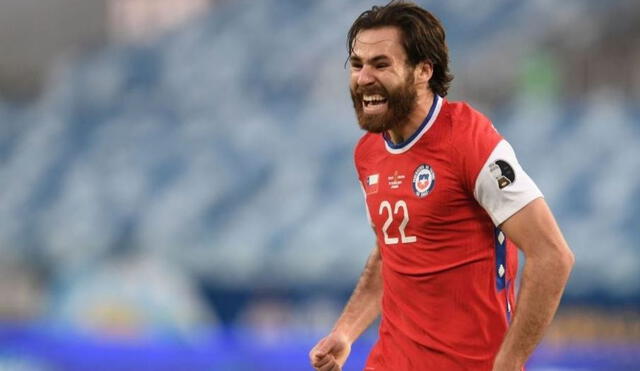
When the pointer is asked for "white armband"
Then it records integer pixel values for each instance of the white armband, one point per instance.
(502, 186)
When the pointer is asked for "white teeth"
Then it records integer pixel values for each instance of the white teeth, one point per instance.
(373, 98)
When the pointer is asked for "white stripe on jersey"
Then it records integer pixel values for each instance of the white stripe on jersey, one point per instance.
(366, 206)
(434, 115)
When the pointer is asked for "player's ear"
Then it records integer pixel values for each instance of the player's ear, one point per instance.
(423, 72)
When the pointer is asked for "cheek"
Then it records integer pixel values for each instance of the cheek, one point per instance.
(390, 78)
(388, 83)
(353, 80)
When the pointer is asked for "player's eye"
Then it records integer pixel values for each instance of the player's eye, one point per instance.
(356, 66)
(382, 65)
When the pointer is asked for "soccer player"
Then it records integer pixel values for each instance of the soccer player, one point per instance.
(449, 203)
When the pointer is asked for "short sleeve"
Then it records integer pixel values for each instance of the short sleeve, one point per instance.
(366, 207)
(502, 187)
(358, 158)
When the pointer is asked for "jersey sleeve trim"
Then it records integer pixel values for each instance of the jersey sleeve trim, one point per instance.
(366, 206)
(502, 187)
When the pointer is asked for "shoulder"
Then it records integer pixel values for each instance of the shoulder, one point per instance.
(365, 141)
(474, 138)
(364, 150)
(470, 129)
(468, 122)
(365, 147)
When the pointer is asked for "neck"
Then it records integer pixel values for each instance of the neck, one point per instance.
(400, 133)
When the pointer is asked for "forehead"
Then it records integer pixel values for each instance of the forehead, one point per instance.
(378, 41)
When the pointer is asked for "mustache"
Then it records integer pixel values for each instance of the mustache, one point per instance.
(369, 90)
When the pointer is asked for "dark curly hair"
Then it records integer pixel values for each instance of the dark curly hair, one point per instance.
(422, 33)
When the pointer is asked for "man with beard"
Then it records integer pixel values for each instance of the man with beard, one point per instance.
(449, 203)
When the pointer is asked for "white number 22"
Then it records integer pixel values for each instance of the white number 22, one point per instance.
(386, 205)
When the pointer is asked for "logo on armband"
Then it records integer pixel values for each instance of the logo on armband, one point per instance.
(503, 172)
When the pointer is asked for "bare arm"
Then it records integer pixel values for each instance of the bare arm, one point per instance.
(548, 262)
(364, 305)
(362, 309)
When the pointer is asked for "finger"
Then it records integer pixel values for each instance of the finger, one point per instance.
(333, 367)
(329, 366)
(321, 361)
(315, 354)
(321, 349)
(324, 347)
(318, 354)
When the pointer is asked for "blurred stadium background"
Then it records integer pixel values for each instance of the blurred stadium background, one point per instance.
(177, 189)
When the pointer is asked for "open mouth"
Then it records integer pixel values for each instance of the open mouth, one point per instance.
(374, 103)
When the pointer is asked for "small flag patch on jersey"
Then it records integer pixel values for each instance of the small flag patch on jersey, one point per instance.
(372, 184)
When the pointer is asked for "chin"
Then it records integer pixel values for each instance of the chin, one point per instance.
(374, 123)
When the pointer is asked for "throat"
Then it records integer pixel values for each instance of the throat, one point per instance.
(413, 122)
(396, 136)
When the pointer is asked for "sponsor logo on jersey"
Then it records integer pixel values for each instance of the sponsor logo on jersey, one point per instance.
(503, 172)
(371, 185)
(395, 180)
(424, 179)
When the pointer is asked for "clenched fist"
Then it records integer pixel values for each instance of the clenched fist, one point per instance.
(330, 353)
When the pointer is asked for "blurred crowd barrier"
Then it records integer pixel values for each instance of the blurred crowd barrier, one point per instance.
(193, 199)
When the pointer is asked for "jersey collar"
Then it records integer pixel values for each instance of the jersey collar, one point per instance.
(426, 124)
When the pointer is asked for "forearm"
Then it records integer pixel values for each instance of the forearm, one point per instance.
(364, 305)
(543, 282)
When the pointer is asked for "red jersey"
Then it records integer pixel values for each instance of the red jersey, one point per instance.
(435, 202)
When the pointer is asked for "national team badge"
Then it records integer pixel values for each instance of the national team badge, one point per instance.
(424, 179)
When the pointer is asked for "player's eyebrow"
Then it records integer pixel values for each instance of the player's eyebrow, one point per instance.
(377, 58)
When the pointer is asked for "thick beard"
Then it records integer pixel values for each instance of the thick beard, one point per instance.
(400, 103)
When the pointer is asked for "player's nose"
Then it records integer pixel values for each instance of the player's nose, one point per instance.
(365, 76)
